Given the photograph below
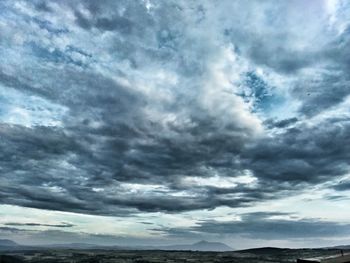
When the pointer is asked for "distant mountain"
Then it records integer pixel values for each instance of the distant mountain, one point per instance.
(211, 246)
(72, 246)
(199, 246)
(7, 243)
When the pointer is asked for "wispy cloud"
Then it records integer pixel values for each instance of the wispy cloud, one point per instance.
(63, 225)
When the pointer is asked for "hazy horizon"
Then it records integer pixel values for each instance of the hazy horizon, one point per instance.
(145, 122)
(157, 245)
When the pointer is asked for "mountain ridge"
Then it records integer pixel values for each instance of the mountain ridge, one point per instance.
(198, 246)
(203, 245)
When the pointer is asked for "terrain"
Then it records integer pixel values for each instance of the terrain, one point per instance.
(258, 255)
(203, 245)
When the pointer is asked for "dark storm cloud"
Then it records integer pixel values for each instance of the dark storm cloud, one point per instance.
(274, 48)
(277, 229)
(265, 226)
(342, 186)
(138, 104)
(42, 6)
(330, 87)
(323, 93)
(285, 60)
(302, 155)
(280, 123)
(117, 23)
(82, 21)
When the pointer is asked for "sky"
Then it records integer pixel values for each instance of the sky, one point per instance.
(145, 122)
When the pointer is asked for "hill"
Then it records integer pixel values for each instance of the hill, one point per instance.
(200, 246)
(7, 243)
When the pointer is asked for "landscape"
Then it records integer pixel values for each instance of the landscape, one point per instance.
(175, 131)
(201, 252)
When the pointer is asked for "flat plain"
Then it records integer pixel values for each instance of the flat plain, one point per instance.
(261, 255)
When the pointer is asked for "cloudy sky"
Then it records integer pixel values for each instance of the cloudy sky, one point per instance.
(162, 122)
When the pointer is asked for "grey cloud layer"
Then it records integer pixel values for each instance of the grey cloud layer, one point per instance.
(264, 226)
(260, 225)
(131, 94)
